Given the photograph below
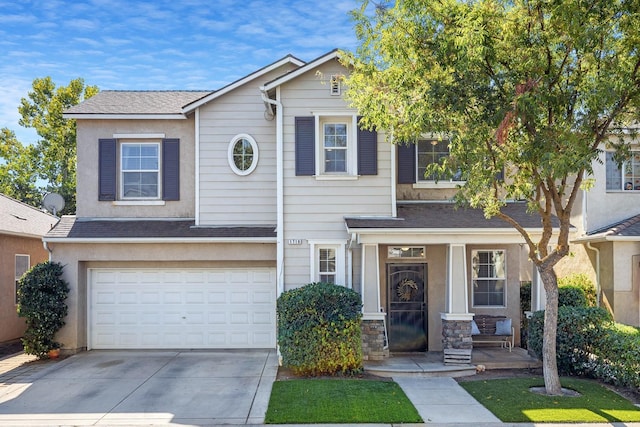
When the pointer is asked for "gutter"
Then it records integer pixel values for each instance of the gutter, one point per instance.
(269, 104)
(94, 240)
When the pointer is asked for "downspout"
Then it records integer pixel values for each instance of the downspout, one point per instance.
(197, 166)
(597, 251)
(48, 249)
(269, 104)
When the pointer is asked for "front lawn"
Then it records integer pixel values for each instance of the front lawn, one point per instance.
(309, 401)
(512, 401)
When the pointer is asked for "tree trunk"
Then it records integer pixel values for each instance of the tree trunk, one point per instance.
(549, 361)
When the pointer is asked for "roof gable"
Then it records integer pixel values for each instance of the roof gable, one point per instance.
(289, 59)
(310, 65)
(17, 218)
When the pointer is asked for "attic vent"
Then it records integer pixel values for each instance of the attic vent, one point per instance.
(335, 85)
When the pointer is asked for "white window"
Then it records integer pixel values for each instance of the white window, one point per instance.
(488, 278)
(336, 156)
(243, 154)
(432, 151)
(140, 169)
(412, 252)
(327, 262)
(22, 265)
(625, 177)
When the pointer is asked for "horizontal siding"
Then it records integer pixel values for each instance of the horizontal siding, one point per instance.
(315, 209)
(226, 198)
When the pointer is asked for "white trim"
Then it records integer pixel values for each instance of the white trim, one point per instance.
(504, 279)
(122, 171)
(15, 282)
(339, 246)
(337, 116)
(394, 183)
(138, 203)
(138, 135)
(457, 316)
(336, 177)
(97, 116)
(254, 160)
(303, 69)
(197, 166)
(286, 60)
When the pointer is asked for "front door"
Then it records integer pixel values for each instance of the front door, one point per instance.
(407, 305)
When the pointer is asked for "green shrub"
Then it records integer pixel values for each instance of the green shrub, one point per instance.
(617, 360)
(319, 330)
(583, 282)
(571, 296)
(41, 301)
(581, 332)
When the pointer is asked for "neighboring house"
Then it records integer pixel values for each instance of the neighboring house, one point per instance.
(196, 210)
(21, 230)
(609, 228)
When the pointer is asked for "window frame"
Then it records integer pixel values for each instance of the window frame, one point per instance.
(121, 171)
(231, 153)
(15, 271)
(496, 278)
(632, 165)
(421, 182)
(315, 246)
(349, 119)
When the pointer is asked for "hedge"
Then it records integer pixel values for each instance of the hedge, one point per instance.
(319, 330)
(589, 343)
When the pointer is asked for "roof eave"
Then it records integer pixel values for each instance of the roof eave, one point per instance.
(96, 116)
(293, 74)
(289, 59)
(149, 240)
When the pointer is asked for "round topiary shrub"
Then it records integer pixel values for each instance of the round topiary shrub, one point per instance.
(319, 330)
(41, 301)
(571, 296)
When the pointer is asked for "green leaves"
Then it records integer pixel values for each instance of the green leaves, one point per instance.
(49, 165)
(41, 300)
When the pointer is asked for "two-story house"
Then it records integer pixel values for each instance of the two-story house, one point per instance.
(196, 210)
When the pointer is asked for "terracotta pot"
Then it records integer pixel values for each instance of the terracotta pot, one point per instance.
(54, 353)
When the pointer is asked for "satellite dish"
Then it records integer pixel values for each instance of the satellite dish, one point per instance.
(53, 202)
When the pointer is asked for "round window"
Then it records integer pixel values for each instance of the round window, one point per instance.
(243, 154)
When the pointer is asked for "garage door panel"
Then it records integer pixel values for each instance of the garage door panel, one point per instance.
(226, 308)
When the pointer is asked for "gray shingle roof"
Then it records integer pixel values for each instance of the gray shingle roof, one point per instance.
(137, 102)
(629, 227)
(70, 227)
(21, 219)
(447, 216)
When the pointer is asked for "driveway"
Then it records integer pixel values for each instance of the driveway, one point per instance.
(145, 387)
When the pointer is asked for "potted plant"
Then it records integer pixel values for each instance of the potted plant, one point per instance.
(41, 301)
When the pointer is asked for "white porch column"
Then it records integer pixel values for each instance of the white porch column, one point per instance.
(457, 295)
(370, 281)
(538, 294)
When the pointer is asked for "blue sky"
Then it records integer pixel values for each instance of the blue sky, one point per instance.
(157, 44)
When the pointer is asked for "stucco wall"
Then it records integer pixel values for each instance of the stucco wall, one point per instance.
(77, 258)
(12, 326)
(89, 131)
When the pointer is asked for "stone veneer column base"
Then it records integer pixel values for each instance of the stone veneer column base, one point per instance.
(373, 340)
(457, 343)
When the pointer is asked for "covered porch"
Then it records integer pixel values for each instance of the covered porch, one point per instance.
(430, 364)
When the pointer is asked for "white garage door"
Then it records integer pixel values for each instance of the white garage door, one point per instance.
(182, 308)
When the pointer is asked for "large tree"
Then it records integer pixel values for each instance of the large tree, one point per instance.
(533, 88)
(18, 169)
(55, 152)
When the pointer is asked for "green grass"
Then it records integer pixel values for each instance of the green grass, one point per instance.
(511, 401)
(307, 401)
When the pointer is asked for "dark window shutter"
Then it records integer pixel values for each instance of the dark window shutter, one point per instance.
(107, 169)
(367, 152)
(305, 146)
(406, 163)
(170, 169)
